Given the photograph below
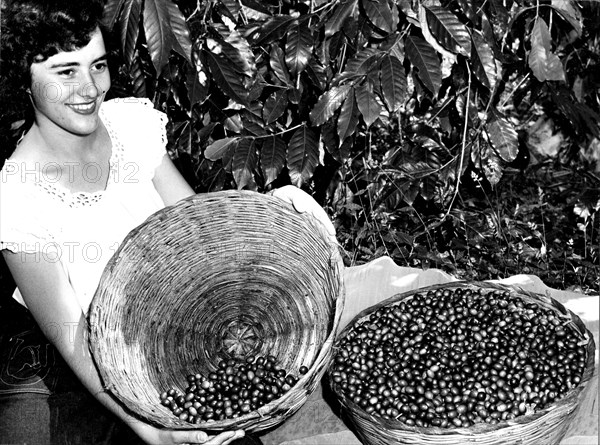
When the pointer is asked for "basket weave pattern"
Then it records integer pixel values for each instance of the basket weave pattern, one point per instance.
(217, 276)
(545, 427)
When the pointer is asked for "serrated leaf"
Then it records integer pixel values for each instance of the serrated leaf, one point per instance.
(227, 77)
(277, 62)
(348, 120)
(275, 106)
(219, 148)
(328, 104)
(129, 26)
(182, 43)
(274, 29)
(379, 14)
(544, 64)
(272, 158)
(244, 163)
(341, 12)
(393, 83)
(302, 155)
(159, 37)
(569, 10)
(448, 30)
(111, 12)
(367, 104)
(482, 59)
(424, 58)
(298, 47)
(502, 136)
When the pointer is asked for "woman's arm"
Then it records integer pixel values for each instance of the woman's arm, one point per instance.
(52, 302)
(169, 183)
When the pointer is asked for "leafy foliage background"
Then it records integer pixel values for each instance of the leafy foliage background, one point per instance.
(409, 121)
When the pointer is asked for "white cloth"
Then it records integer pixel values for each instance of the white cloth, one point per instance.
(83, 230)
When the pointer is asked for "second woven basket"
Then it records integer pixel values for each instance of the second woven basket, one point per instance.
(216, 276)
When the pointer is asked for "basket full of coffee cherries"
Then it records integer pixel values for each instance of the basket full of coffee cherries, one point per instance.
(465, 362)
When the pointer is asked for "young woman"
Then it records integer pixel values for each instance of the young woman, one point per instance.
(83, 175)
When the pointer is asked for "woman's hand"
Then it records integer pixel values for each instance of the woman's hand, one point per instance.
(155, 436)
(303, 202)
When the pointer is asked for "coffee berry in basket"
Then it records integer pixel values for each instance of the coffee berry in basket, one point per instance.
(459, 357)
(236, 388)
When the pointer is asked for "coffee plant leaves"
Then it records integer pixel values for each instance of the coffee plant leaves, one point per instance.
(448, 30)
(277, 63)
(233, 7)
(570, 12)
(228, 75)
(196, 80)
(157, 29)
(362, 62)
(367, 104)
(302, 155)
(298, 46)
(425, 60)
(348, 119)
(489, 162)
(503, 136)
(328, 104)
(218, 148)
(317, 74)
(393, 83)
(340, 13)
(482, 60)
(129, 26)
(112, 9)
(272, 157)
(182, 43)
(244, 163)
(275, 106)
(138, 78)
(380, 14)
(273, 30)
(254, 10)
(498, 16)
(544, 64)
(240, 53)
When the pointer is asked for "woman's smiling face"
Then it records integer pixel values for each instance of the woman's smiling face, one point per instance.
(68, 88)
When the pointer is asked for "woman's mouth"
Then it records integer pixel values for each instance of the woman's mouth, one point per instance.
(85, 108)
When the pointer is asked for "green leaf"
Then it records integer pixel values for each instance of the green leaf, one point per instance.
(277, 62)
(341, 12)
(379, 14)
(181, 42)
(367, 104)
(111, 12)
(196, 80)
(363, 61)
(233, 7)
(238, 50)
(159, 37)
(275, 106)
(502, 136)
(348, 119)
(328, 104)
(498, 16)
(317, 73)
(425, 60)
(272, 158)
(274, 29)
(569, 10)
(298, 46)
(138, 79)
(302, 155)
(227, 75)
(544, 64)
(393, 83)
(490, 163)
(129, 26)
(482, 59)
(219, 148)
(448, 30)
(244, 163)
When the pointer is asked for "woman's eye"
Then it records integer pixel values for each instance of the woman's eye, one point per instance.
(99, 67)
(66, 73)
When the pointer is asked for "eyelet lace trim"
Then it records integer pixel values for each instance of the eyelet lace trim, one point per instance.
(83, 199)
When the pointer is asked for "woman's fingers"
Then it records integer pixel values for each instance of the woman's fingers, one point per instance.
(200, 437)
(225, 438)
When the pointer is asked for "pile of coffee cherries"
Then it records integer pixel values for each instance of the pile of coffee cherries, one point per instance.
(234, 389)
(455, 357)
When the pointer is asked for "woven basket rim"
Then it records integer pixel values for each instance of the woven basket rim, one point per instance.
(287, 403)
(481, 428)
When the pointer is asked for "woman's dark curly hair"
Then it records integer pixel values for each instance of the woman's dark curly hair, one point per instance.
(32, 31)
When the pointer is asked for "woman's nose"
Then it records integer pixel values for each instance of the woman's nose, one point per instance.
(89, 87)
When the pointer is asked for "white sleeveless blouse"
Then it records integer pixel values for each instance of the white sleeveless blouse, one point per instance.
(82, 230)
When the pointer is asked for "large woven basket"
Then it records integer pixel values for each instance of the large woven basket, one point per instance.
(545, 427)
(196, 271)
